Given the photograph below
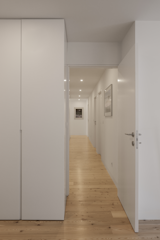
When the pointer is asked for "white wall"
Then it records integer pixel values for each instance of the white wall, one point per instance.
(128, 41)
(109, 134)
(148, 42)
(89, 53)
(78, 126)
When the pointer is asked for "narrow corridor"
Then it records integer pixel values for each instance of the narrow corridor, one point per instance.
(93, 205)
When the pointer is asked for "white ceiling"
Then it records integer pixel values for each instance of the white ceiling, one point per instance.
(90, 76)
(86, 20)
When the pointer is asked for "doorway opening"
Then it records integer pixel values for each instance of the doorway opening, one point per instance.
(98, 132)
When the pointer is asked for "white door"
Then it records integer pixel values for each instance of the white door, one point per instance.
(127, 126)
(10, 119)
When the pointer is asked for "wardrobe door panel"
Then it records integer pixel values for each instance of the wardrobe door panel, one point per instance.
(10, 31)
(42, 119)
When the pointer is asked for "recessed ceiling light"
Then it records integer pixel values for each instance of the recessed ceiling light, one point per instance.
(78, 99)
(80, 90)
(65, 80)
(81, 80)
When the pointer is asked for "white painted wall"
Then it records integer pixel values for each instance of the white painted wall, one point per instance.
(128, 41)
(148, 42)
(78, 126)
(92, 53)
(43, 119)
(109, 134)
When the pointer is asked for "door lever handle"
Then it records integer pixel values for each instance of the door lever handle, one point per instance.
(130, 134)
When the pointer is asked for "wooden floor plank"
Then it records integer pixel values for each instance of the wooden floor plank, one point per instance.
(93, 210)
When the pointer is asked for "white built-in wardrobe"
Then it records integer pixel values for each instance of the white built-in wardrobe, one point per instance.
(32, 119)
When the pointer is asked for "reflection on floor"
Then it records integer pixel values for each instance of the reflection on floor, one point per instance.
(93, 210)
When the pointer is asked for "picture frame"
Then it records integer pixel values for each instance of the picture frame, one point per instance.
(78, 113)
(108, 101)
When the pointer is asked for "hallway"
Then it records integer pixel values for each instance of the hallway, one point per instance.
(93, 205)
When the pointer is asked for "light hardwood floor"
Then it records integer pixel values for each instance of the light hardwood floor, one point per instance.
(93, 210)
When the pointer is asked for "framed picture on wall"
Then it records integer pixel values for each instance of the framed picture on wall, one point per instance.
(78, 113)
(108, 101)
